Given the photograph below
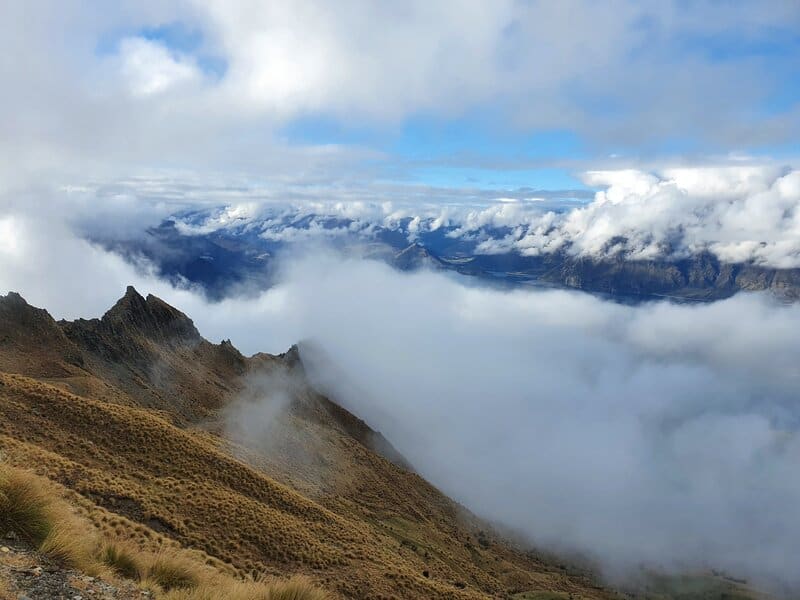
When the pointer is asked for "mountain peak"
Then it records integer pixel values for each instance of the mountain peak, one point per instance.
(132, 301)
(151, 316)
(37, 339)
(13, 298)
(13, 307)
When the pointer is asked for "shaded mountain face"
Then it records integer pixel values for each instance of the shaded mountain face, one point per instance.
(167, 438)
(239, 259)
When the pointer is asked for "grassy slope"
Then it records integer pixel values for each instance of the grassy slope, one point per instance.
(145, 462)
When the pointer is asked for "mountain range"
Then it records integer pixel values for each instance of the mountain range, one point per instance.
(240, 257)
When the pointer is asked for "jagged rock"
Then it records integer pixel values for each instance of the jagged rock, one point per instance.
(151, 317)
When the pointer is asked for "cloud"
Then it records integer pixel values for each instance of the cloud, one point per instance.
(739, 213)
(621, 75)
(149, 67)
(662, 434)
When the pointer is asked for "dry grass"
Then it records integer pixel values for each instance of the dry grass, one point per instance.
(320, 501)
(31, 507)
(123, 559)
(24, 505)
(145, 480)
(170, 570)
(296, 588)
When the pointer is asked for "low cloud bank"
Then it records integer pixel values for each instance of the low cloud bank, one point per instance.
(738, 213)
(662, 435)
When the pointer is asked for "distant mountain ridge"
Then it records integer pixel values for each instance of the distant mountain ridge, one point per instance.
(242, 257)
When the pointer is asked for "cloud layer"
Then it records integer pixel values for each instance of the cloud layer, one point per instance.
(741, 214)
(659, 434)
(214, 83)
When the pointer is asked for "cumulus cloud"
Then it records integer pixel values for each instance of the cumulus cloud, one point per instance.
(662, 434)
(740, 214)
(535, 64)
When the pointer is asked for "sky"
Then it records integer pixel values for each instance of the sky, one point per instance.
(665, 123)
(495, 95)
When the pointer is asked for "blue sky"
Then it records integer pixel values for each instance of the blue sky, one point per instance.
(469, 151)
(504, 94)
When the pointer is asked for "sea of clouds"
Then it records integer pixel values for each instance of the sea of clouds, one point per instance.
(660, 434)
(741, 214)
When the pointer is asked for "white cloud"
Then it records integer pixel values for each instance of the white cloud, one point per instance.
(739, 213)
(12, 239)
(380, 61)
(150, 68)
(660, 434)
(535, 65)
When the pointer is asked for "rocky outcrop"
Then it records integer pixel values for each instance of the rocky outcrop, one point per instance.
(32, 343)
(415, 256)
(130, 323)
(154, 353)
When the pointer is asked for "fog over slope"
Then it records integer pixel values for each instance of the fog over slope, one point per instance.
(657, 434)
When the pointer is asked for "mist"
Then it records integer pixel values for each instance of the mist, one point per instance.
(658, 435)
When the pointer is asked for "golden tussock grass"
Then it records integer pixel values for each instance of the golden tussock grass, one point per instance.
(165, 570)
(372, 531)
(296, 588)
(169, 570)
(122, 558)
(24, 505)
(31, 507)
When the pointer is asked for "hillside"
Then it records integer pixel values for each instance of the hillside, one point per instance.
(160, 437)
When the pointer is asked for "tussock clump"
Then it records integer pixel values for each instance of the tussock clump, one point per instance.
(169, 571)
(296, 588)
(24, 505)
(69, 543)
(122, 559)
(32, 508)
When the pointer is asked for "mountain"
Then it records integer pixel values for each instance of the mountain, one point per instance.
(698, 278)
(163, 439)
(237, 259)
